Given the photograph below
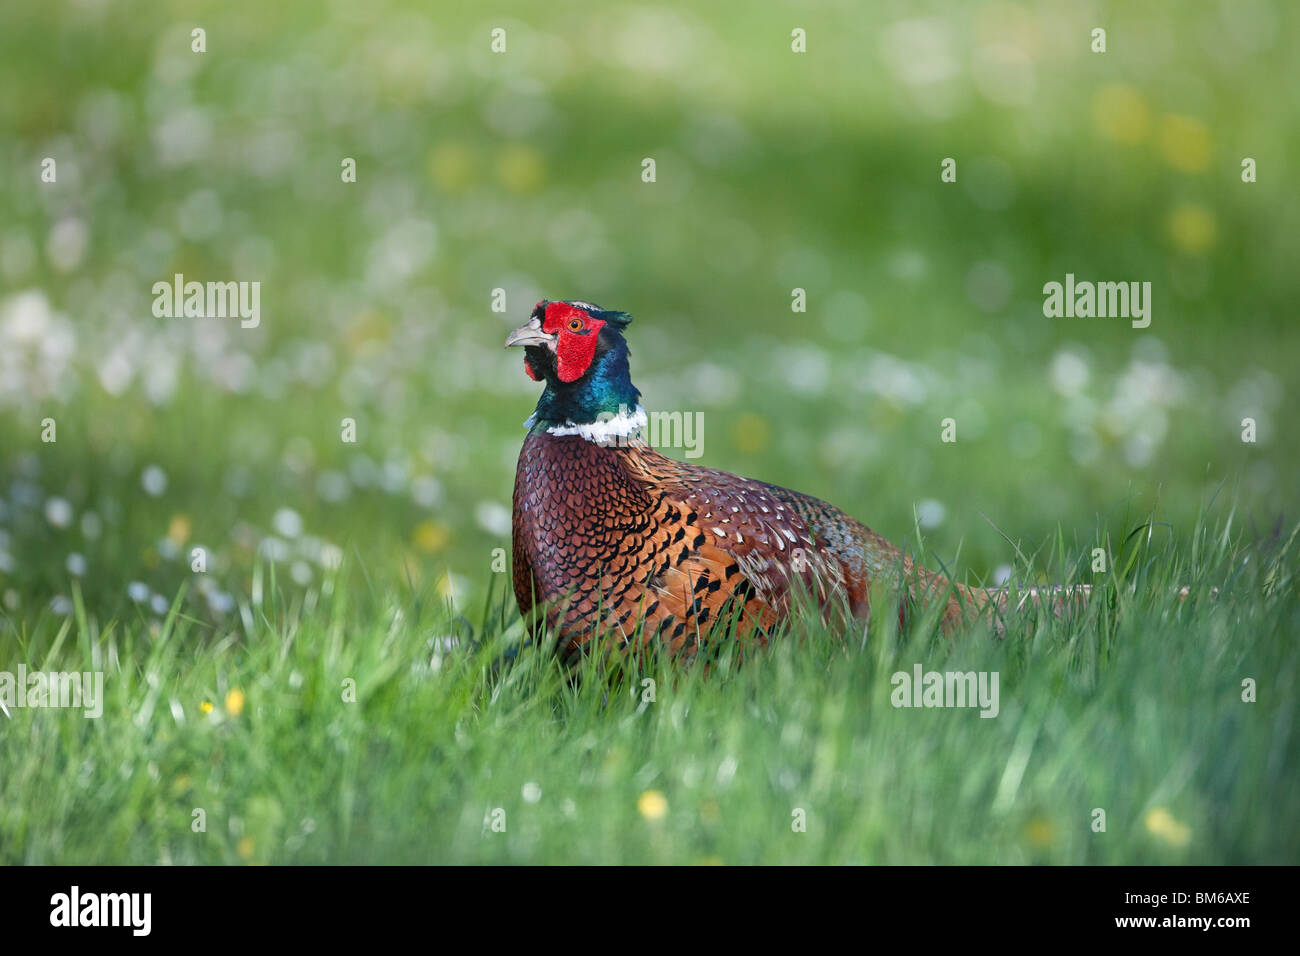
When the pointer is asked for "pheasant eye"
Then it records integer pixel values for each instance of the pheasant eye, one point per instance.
(575, 325)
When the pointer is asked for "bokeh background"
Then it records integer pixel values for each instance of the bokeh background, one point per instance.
(522, 171)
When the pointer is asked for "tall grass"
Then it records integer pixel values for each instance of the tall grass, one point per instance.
(466, 742)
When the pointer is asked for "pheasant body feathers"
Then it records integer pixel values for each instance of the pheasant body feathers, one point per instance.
(618, 542)
(626, 542)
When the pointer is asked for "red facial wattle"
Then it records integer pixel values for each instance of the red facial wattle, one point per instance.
(575, 345)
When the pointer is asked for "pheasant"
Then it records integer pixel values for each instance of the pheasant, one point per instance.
(617, 542)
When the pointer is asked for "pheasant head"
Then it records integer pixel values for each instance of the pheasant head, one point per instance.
(578, 350)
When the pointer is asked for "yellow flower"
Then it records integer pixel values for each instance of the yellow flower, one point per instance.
(452, 166)
(1162, 825)
(1040, 832)
(235, 702)
(447, 587)
(1192, 228)
(430, 537)
(245, 847)
(521, 169)
(1121, 113)
(205, 707)
(1185, 143)
(367, 327)
(179, 529)
(750, 433)
(652, 805)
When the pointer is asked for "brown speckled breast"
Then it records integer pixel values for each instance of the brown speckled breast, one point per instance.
(609, 537)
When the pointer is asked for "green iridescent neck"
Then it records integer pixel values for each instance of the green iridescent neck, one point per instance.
(603, 391)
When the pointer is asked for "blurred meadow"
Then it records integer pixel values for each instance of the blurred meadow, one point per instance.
(521, 171)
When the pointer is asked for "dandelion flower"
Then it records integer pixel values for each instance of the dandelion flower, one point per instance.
(751, 433)
(1121, 113)
(652, 805)
(1185, 143)
(235, 702)
(1040, 832)
(1162, 825)
(178, 530)
(1192, 228)
(430, 537)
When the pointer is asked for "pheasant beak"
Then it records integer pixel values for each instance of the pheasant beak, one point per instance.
(530, 334)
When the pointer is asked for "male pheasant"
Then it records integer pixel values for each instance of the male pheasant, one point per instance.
(620, 543)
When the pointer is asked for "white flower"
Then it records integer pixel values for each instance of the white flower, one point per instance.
(426, 491)
(1068, 372)
(930, 513)
(154, 480)
(333, 486)
(276, 549)
(221, 602)
(287, 523)
(493, 517)
(67, 244)
(58, 512)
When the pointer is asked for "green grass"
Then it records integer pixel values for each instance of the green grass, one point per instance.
(1135, 708)
(775, 171)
